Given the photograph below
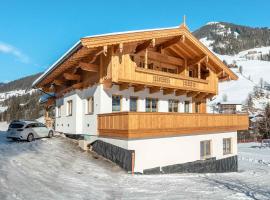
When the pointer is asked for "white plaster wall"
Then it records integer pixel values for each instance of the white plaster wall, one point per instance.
(150, 153)
(106, 101)
(82, 123)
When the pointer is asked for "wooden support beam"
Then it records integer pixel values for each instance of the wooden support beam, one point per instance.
(210, 96)
(123, 86)
(192, 94)
(197, 60)
(139, 88)
(77, 85)
(142, 46)
(168, 43)
(168, 91)
(165, 58)
(105, 50)
(154, 90)
(88, 67)
(199, 70)
(146, 59)
(72, 77)
(107, 83)
(180, 92)
(200, 95)
(58, 82)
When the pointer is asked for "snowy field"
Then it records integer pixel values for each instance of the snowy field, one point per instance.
(56, 169)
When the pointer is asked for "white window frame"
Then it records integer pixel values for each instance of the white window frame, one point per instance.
(172, 103)
(89, 111)
(204, 155)
(227, 146)
(119, 105)
(59, 111)
(69, 107)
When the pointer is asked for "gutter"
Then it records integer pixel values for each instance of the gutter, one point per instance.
(57, 63)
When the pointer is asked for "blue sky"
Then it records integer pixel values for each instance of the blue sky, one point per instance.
(34, 34)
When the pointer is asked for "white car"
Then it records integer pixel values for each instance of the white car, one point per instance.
(28, 130)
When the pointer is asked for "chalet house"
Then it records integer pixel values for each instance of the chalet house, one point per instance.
(139, 98)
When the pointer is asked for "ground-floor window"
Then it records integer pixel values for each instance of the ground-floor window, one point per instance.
(133, 105)
(205, 149)
(186, 107)
(173, 105)
(59, 111)
(151, 105)
(227, 146)
(116, 103)
(69, 108)
(90, 105)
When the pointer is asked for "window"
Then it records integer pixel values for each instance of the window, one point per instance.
(90, 105)
(173, 105)
(133, 104)
(190, 73)
(197, 107)
(69, 108)
(186, 106)
(151, 105)
(227, 146)
(116, 103)
(205, 149)
(59, 111)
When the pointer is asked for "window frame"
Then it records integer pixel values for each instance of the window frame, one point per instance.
(151, 104)
(59, 111)
(69, 108)
(120, 96)
(188, 106)
(133, 97)
(225, 152)
(203, 154)
(172, 103)
(87, 112)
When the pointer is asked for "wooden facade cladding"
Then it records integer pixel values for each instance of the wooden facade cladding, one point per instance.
(124, 70)
(136, 125)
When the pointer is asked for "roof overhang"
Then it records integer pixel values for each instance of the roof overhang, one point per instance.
(97, 41)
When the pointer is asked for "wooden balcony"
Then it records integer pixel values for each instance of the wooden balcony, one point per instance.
(131, 125)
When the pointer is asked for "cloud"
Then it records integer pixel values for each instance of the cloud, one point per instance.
(9, 49)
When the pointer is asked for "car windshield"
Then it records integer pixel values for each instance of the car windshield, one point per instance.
(16, 125)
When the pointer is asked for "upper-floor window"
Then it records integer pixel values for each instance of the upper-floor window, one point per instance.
(90, 105)
(69, 108)
(186, 107)
(151, 105)
(227, 146)
(205, 149)
(173, 105)
(116, 103)
(133, 105)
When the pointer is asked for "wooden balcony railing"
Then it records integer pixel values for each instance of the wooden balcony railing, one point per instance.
(130, 125)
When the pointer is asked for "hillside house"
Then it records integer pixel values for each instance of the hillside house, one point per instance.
(140, 97)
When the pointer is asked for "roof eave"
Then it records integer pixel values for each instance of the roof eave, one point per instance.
(74, 48)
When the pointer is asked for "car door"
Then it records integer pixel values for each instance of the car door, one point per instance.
(36, 130)
(43, 130)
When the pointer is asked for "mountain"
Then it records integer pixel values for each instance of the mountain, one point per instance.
(246, 51)
(19, 84)
(230, 39)
(19, 101)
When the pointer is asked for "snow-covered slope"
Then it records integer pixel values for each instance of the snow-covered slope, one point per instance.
(252, 72)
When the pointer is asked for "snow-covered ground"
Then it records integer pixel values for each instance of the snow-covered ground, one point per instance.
(57, 169)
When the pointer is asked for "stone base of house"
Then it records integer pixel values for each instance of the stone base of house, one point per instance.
(211, 165)
(126, 159)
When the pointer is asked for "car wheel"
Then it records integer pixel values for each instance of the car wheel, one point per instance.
(50, 135)
(30, 137)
